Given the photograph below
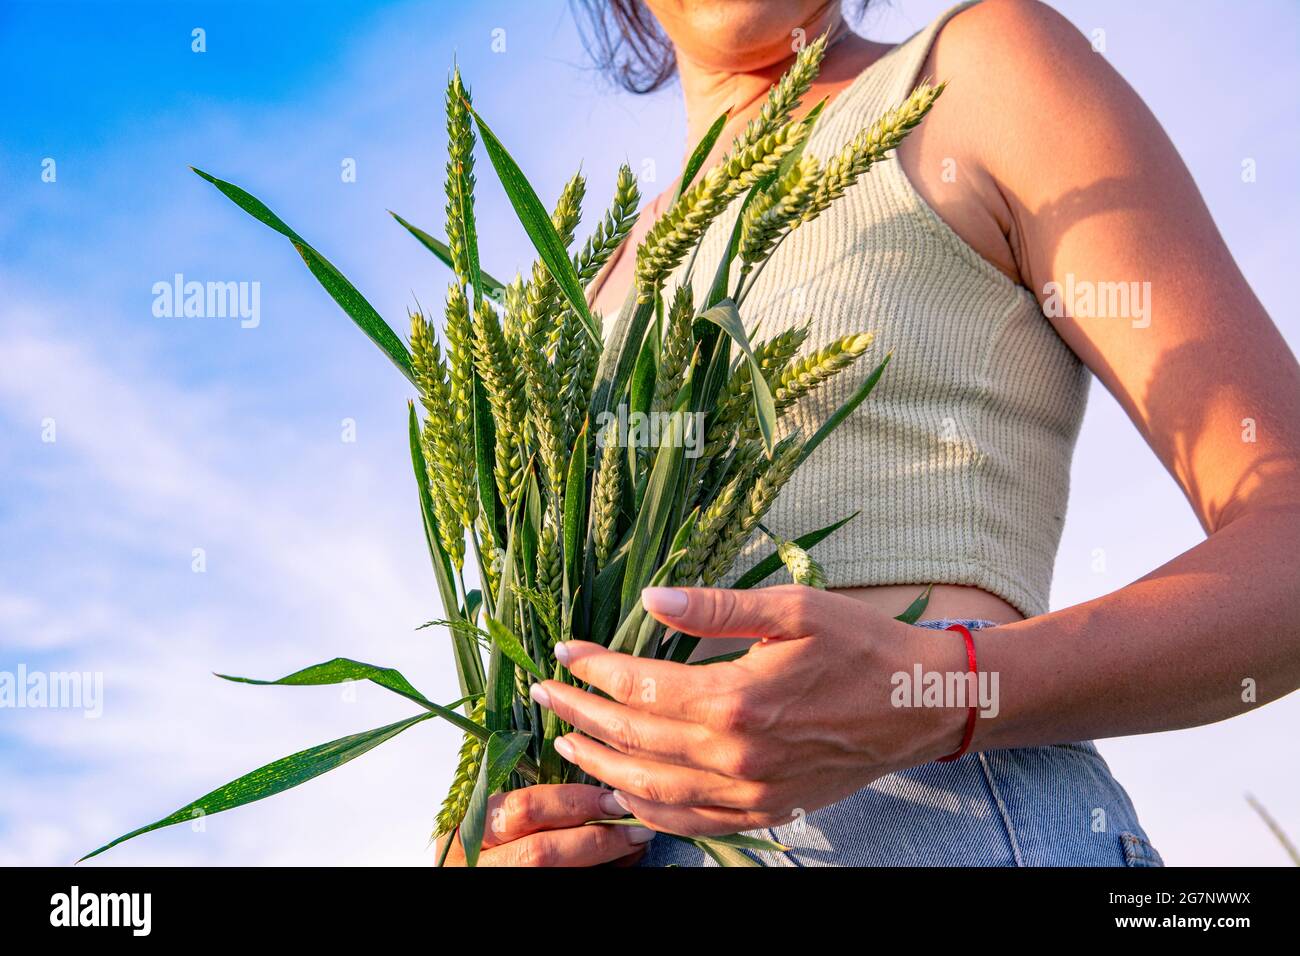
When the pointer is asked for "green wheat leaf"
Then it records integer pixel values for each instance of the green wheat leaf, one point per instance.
(700, 154)
(339, 288)
(916, 608)
(725, 316)
(512, 648)
(276, 777)
(537, 223)
(338, 671)
(843, 412)
(575, 504)
(493, 287)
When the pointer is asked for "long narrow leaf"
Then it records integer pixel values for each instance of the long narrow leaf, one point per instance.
(339, 288)
(916, 608)
(624, 640)
(843, 412)
(724, 854)
(537, 223)
(700, 154)
(725, 316)
(617, 360)
(745, 842)
(605, 600)
(575, 507)
(338, 668)
(652, 519)
(276, 777)
(511, 646)
(338, 671)
(494, 288)
(501, 669)
(738, 840)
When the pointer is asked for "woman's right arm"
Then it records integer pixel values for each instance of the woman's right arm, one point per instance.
(544, 826)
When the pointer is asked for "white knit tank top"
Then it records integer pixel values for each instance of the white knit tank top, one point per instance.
(959, 460)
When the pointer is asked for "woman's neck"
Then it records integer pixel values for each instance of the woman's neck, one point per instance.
(708, 92)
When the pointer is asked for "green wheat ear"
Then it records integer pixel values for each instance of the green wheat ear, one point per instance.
(803, 569)
(785, 95)
(682, 226)
(770, 478)
(809, 373)
(456, 803)
(606, 498)
(439, 438)
(612, 230)
(869, 147)
(460, 177)
(676, 353)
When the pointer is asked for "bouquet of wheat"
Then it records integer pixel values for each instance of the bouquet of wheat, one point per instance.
(535, 454)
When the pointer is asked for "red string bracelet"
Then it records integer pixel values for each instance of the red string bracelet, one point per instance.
(974, 708)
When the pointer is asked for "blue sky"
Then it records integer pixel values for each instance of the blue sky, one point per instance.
(177, 434)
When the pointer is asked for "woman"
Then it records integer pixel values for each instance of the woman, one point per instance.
(1038, 177)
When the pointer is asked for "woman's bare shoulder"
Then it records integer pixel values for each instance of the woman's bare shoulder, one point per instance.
(1033, 112)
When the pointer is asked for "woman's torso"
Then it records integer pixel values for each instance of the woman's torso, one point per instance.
(937, 207)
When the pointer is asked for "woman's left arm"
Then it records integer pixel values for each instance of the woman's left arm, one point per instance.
(1092, 196)
(1099, 202)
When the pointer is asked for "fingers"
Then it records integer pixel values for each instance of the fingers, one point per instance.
(630, 731)
(777, 612)
(680, 691)
(694, 821)
(657, 782)
(514, 815)
(589, 845)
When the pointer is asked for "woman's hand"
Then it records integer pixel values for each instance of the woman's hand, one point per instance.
(543, 826)
(805, 718)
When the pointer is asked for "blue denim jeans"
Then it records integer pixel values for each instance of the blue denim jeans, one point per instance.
(1031, 806)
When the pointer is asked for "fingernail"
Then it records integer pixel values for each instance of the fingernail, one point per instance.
(541, 695)
(610, 806)
(671, 602)
(565, 749)
(638, 835)
(623, 801)
(562, 653)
